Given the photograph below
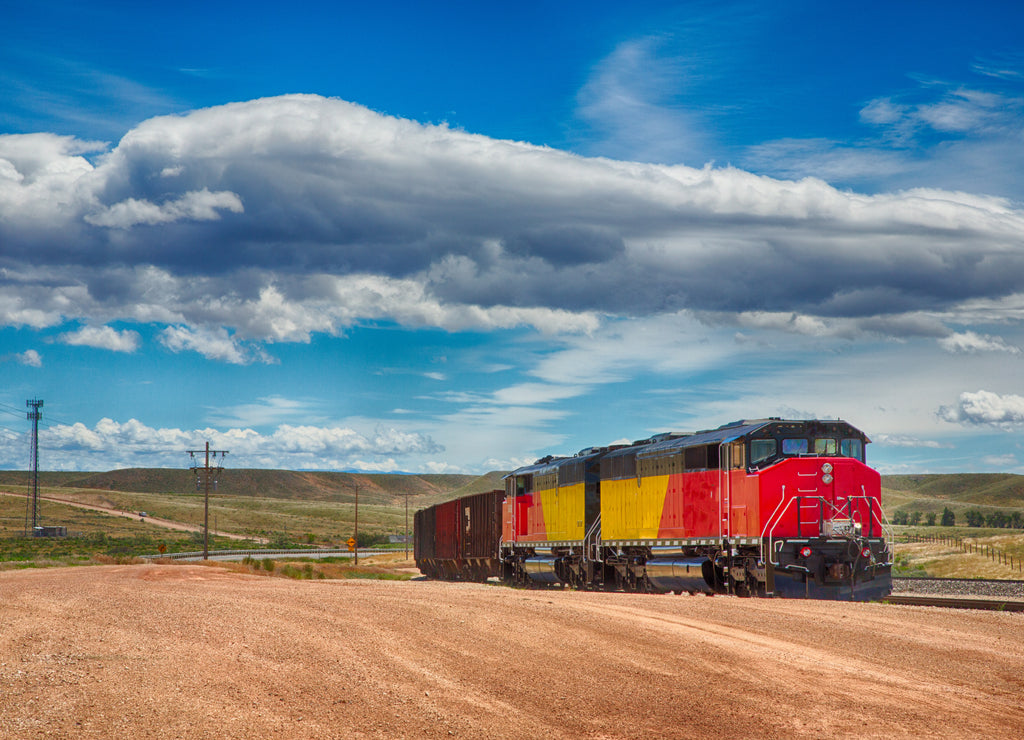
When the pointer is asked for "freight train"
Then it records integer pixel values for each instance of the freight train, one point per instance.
(768, 507)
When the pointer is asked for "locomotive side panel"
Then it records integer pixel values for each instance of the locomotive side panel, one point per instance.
(530, 518)
(746, 506)
(631, 509)
(563, 512)
(691, 506)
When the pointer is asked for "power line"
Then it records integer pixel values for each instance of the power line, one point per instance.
(54, 421)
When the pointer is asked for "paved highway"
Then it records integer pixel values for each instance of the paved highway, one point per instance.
(276, 554)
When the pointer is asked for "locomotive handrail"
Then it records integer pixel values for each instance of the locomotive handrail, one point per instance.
(871, 513)
(592, 539)
(784, 504)
(776, 518)
(798, 500)
(883, 522)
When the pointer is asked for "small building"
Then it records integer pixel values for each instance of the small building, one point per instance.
(50, 532)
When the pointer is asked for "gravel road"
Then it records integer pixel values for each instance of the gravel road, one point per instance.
(191, 651)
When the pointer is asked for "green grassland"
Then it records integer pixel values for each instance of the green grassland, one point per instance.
(271, 507)
(94, 537)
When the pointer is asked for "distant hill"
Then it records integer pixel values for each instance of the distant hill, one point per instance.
(927, 493)
(373, 488)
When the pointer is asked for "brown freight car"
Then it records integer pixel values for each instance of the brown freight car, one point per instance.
(458, 540)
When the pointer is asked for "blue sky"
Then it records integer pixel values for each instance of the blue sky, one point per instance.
(456, 237)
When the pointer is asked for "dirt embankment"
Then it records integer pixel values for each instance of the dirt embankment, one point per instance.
(176, 651)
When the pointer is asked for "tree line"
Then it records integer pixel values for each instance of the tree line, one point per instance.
(971, 517)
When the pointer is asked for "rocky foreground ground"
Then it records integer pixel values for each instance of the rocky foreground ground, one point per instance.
(186, 651)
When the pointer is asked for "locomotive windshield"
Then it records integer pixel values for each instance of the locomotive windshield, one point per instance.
(794, 439)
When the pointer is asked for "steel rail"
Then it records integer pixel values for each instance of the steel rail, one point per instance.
(999, 605)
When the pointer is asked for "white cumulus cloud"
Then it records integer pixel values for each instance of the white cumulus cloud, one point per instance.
(103, 337)
(31, 358)
(985, 407)
(214, 344)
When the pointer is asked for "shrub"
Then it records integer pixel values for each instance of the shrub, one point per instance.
(279, 541)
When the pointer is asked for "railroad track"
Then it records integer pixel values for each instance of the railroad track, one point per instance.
(959, 593)
(950, 602)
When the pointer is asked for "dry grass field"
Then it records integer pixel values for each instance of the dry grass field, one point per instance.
(940, 560)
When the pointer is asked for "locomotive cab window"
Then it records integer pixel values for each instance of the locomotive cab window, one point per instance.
(794, 446)
(737, 461)
(825, 446)
(761, 450)
(852, 448)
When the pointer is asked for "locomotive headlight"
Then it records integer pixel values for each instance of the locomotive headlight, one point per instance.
(865, 553)
(826, 479)
(826, 468)
(805, 552)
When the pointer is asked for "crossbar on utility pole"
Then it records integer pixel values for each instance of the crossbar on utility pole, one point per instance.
(208, 473)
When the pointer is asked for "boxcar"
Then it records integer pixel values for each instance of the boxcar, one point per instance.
(458, 540)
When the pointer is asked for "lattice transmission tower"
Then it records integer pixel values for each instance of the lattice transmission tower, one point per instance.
(32, 504)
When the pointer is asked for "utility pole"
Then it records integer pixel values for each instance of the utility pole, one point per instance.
(357, 523)
(34, 416)
(406, 526)
(208, 473)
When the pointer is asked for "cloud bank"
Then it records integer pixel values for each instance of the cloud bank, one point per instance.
(293, 446)
(269, 220)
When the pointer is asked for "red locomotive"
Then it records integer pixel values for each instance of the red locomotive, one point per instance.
(757, 508)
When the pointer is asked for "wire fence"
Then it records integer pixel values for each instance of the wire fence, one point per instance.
(974, 548)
